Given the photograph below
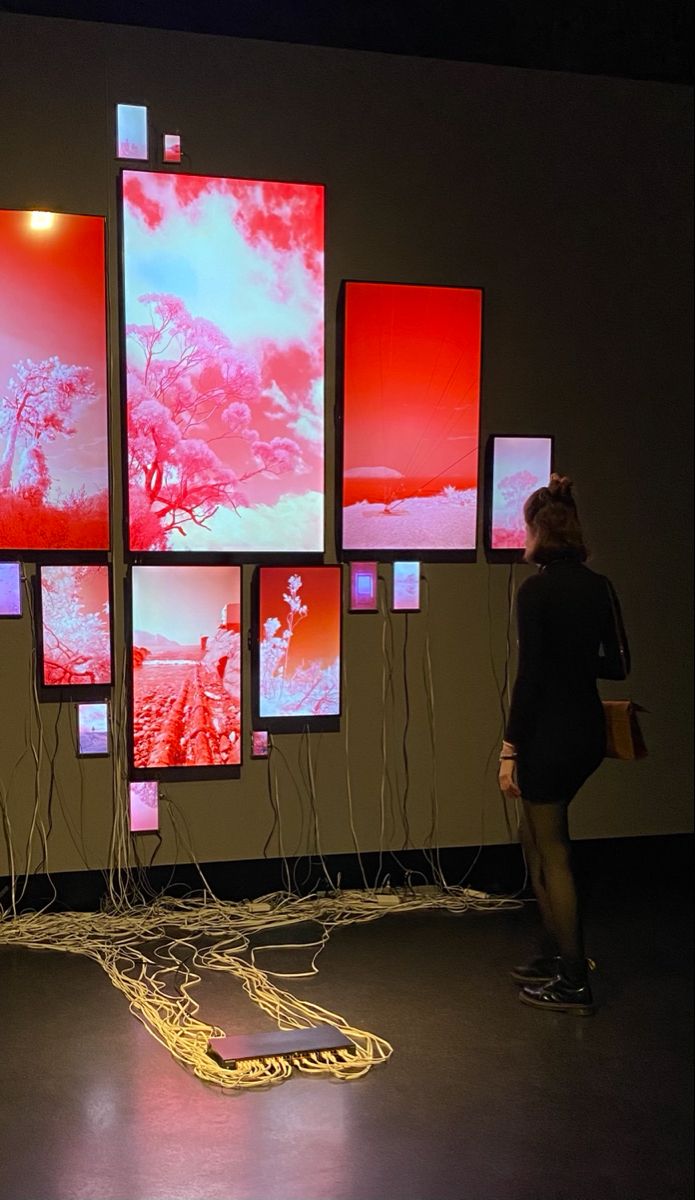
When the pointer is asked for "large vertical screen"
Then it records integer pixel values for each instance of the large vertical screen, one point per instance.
(54, 474)
(186, 666)
(75, 639)
(299, 642)
(224, 330)
(519, 466)
(411, 398)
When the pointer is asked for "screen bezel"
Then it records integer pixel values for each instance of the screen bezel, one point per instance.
(177, 773)
(504, 555)
(384, 555)
(294, 724)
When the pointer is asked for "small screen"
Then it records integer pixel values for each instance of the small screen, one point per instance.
(10, 589)
(171, 149)
(186, 666)
(144, 807)
(75, 647)
(92, 729)
(299, 651)
(520, 465)
(259, 743)
(54, 460)
(406, 586)
(131, 131)
(411, 401)
(363, 587)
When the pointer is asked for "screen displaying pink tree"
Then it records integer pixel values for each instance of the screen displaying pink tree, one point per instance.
(299, 651)
(53, 407)
(519, 466)
(223, 283)
(75, 626)
(186, 666)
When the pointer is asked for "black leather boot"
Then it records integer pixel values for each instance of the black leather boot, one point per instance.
(539, 970)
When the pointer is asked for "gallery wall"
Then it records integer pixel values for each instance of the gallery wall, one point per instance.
(568, 200)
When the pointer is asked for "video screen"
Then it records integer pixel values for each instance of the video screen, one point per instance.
(54, 460)
(406, 587)
(299, 646)
(75, 641)
(411, 401)
(363, 587)
(144, 807)
(224, 336)
(171, 147)
(186, 666)
(520, 465)
(10, 589)
(259, 744)
(92, 729)
(131, 131)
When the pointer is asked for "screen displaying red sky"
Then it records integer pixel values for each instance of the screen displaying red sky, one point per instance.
(300, 641)
(410, 416)
(53, 406)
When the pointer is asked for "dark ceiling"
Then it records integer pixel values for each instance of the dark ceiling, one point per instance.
(637, 39)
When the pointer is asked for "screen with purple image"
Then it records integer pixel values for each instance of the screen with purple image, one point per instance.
(519, 466)
(363, 587)
(144, 807)
(406, 586)
(10, 589)
(92, 729)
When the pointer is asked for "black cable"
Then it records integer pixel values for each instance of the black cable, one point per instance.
(406, 726)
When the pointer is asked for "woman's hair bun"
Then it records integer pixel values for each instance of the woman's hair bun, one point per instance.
(560, 487)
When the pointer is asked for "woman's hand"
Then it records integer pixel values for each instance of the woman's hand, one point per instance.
(507, 778)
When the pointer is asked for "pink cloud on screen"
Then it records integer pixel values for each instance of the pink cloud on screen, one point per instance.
(186, 666)
(54, 473)
(76, 629)
(224, 295)
(144, 807)
(520, 465)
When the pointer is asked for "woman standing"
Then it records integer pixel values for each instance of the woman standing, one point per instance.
(570, 634)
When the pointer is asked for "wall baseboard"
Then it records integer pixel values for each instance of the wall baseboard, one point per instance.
(603, 865)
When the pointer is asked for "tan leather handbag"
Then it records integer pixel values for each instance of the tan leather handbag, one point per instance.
(624, 738)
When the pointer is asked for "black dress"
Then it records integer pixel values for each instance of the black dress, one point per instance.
(567, 639)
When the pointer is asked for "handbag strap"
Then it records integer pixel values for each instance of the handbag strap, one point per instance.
(617, 625)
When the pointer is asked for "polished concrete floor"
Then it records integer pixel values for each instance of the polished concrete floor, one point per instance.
(484, 1099)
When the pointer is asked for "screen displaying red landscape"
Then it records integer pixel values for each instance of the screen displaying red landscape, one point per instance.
(75, 644)
(224, 294)
(411, 400)
(519, 466)
(299, 651)
(186, 673)
(54, 473)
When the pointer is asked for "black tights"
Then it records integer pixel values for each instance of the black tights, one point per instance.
(544, 835)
